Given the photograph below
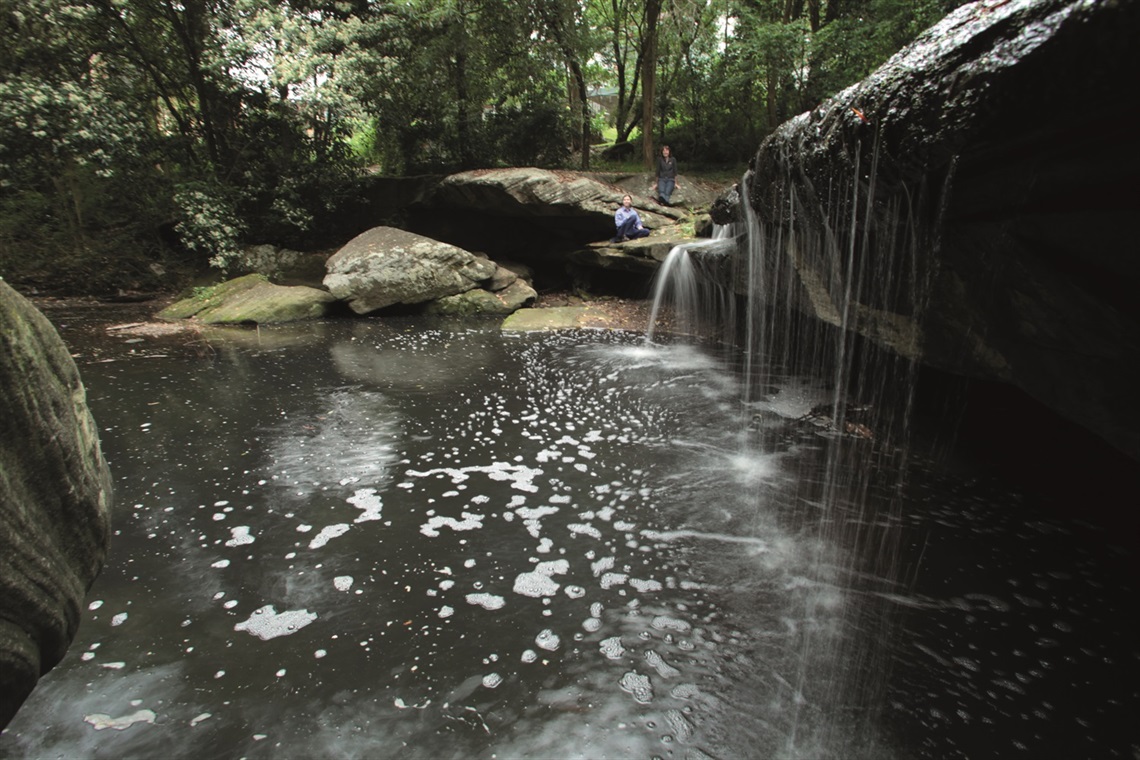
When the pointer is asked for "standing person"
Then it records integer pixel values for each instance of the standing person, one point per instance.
(666, 175)
(627, 222)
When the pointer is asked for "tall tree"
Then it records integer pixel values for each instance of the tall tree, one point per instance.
(565, 22)
(649, 78)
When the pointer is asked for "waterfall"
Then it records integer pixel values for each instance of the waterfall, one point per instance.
(831, 283)
(688, 290)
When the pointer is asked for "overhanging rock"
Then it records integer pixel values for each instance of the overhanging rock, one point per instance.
(994, 159)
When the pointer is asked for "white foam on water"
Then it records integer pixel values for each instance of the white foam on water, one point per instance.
(519, 476)
(609, 580)
(446, 584)
(666, 623)
(535, 585)
(446, 612)
(470, 521)
(240, 536)
(304, 528)
(638, 685)
(575, 592)
(657, 662)
(95, 604)
(544, 546)
(327, 534)
(114, 665)
(643, 585)
(266, 623)
(553, 567)
(679, 725)
(486, 601)
(367, 500)
(536, 513)
(529, 655)
(100, 721)
(342, 582)
(596, 609)
(684, 691)
(548, 640)
(589, 530)
(492, 680)
(199, 718)
(592, 625)
(605, 563)
(119, 619)
(612, 648)
(539, 582)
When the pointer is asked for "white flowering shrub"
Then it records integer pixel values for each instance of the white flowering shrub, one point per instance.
(208, 225)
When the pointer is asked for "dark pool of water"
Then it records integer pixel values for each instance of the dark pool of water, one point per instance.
(391, 539)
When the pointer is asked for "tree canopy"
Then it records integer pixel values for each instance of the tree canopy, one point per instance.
(136, 133)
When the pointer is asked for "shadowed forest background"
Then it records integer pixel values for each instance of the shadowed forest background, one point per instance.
(144, 138)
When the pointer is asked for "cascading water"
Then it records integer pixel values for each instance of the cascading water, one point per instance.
(695, 303)
(832, 289)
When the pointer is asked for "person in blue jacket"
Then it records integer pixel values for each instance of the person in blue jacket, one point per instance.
(628, 223)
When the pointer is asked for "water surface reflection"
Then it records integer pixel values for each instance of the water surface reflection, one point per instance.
(380, 539)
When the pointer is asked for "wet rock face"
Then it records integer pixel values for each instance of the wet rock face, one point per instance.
(55, 497)
(1001, 146)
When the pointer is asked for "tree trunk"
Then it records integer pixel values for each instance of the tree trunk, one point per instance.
(649, 79)
(584, 104)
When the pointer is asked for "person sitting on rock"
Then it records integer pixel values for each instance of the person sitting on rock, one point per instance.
(666, 176)
(628, 223)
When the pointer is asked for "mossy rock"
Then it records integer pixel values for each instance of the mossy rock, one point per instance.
(251, 298)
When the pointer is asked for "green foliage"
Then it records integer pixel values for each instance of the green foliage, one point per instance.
(530, 135)
(139, 134)
(208, 224)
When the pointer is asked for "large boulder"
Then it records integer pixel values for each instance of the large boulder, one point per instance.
(386, 266)
(55, 499)
(994, 160)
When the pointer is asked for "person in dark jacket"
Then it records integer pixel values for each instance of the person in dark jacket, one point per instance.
(666, 175)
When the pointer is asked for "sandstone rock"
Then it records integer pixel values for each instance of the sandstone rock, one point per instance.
(386, 266)
(501, 279)
(555, 318)
(479, 302)
(528, 192)
(55, 499)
